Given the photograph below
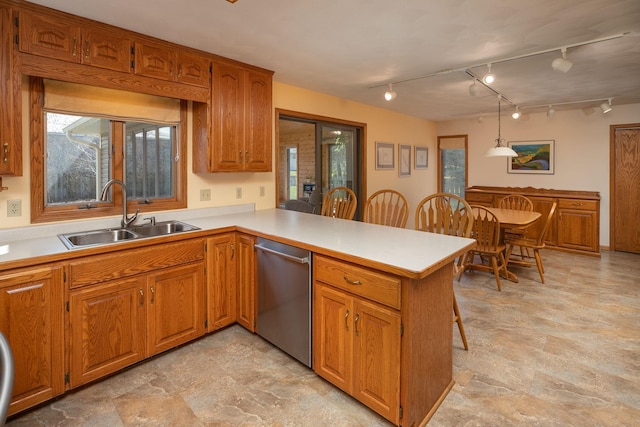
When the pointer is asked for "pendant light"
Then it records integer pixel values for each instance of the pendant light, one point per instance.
(500, 150)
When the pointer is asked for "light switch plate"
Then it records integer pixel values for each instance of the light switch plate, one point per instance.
(205, 195)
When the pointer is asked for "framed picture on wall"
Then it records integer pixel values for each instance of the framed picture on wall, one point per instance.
(534, 157)
(385, 156)
(421, 157)
(404, 160)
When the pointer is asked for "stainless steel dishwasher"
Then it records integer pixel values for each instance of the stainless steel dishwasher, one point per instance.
(284, 298)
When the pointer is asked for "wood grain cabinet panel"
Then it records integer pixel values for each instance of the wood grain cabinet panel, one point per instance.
(356, 341)
(221, 281)
(10, 96)
(107, 326)
(31, 318)
(55, 37)
(235, 127)
(193, 69)
(175, 299)
(154, 60)
(246, 287)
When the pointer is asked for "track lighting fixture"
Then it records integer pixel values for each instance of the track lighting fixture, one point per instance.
(473, 89)
(562, 64)
(606, 106)
(550, 111)
(489, 77)
(390, 94)
(516, 114)
(500, 150)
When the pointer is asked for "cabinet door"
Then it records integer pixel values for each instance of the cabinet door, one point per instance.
(194, 69)
(49, 36)
(31, 318)
(258, 122)
(221, 277)
(155, 60)
(246, 281)
(578, 229)
(332, 335)
(106, 49)
(228, 118)
(376, 358)
(10, 117)
(107, 325)
(175, 298)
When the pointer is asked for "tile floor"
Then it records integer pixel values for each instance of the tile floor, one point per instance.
(566, 353)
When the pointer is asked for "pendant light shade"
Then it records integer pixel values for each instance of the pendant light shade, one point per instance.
(500, 150)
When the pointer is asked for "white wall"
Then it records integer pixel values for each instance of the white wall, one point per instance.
(581, 150)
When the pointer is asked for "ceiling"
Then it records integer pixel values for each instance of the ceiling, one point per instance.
(353, 49)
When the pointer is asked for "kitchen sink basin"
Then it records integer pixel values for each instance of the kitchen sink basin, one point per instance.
(162, 228)
(114, 235)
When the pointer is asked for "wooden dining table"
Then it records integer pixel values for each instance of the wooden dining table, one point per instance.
(511, 218)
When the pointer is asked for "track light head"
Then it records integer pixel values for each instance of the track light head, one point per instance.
(390, 94)
(516, 114)
(489, 77)
(606, 106)
(550, 111)
(562, 64)
(473, 89)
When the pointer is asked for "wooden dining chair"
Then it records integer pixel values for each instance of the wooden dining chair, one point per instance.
(486, 230)
(534, 243)
(340, 202)
(387, 207)
(446, 213)
(516, 202)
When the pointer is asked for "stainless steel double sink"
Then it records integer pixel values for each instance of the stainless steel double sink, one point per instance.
(114, 235)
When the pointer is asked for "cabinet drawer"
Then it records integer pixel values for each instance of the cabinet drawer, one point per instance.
(99, 268)
(590, 205)
(479, 199)
(370, 284)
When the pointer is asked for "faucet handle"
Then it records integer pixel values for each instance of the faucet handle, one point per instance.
(127, 221)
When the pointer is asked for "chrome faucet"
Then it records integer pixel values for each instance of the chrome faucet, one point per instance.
(126, 221)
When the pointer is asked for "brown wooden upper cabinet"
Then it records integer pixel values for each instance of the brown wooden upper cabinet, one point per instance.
(238, 122)
(64, 39)
(10, 87)
(159, 61)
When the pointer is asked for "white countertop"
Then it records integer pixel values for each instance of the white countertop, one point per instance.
(408, 250)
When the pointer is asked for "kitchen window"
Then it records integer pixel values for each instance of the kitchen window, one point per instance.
(452, 167)
(84, 136)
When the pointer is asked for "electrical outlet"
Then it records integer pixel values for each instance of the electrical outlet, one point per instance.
(238, 192)
(205, 195)
(262, 191)
(14, 208)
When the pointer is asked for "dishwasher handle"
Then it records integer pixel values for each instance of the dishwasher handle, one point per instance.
(299, 260)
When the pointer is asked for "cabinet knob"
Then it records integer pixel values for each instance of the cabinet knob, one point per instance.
(5, 153)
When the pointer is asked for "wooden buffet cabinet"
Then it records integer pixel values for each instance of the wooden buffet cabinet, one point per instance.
(575, 226)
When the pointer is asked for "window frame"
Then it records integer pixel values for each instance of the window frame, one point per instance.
(441, 142)
(41, 213)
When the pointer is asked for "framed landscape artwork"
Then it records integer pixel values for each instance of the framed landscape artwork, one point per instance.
(535, 157)
(385, 155)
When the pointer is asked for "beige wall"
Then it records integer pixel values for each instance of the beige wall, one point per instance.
(581, 150)
(382, 125)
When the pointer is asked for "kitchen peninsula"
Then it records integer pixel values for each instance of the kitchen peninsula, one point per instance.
(399, 281)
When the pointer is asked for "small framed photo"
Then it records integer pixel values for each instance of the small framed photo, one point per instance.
(385, 156)
(534, 157)
(404, 160)
(421, 157)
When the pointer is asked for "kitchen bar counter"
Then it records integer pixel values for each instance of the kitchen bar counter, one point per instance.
(405, 252)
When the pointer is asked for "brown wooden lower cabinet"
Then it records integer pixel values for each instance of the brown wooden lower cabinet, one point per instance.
(575, 226)
(221, 287)
(384, 339)
(31, 318)
(246, 285)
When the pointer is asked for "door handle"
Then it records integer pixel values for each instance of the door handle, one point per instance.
(153, 294)
(346, 324)
(355, 322)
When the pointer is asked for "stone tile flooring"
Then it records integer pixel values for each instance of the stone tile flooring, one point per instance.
(566, 353)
